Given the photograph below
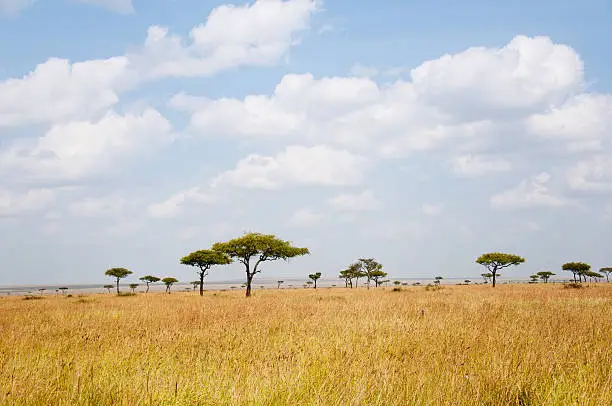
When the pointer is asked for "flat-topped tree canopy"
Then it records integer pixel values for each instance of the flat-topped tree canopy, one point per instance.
(261, 247)
(494, 261)
(204, 260)
(576, 268)
(118, 273)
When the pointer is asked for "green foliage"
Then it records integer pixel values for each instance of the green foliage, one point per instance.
(169, 282)
(494, 261)
(315, 276)
(577, 269)
(377, 276)
(204, 260)
(534, 278)
(607, 272)
(133, 286)
(545, 275)
(117, 273)
(149, 280)
(261, 248)
(572, 285)
(368, 266)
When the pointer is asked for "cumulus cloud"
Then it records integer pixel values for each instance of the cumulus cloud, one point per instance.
(478, 165)
(364, 201)
(16, 203)
(77, 149)
(533, 192)
(296, 165)
(591, 176)
(174, 205)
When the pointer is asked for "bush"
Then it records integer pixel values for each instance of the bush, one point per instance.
(127, 294)
(397, 289)
(433, 287)
(32, 298)
(573, 285)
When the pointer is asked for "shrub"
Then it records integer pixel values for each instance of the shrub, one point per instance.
(573, 285)
(32, 298)
(397, 289)
(127, 294)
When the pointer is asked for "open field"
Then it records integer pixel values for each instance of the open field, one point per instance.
(515, 344)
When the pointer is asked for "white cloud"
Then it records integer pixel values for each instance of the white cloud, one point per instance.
(363, 71)
(105, 206)
(527, 75)
(594, 175)
(174, 205)
(432, 209)
(478, 165)
(582, 121)
(256, 34)
(81, 148)
(364, 201)
(15, 203)
(297, 165)
(305, 218)
(533, 192)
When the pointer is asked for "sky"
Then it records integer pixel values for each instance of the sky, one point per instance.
(417, 133)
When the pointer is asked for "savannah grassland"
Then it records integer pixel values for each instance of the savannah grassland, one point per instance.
(515, 344)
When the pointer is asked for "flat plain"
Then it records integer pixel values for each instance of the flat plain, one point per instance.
(461, 345)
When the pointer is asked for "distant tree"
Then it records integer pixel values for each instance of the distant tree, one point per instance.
(496, 261)
(577, 269)
(534, 278)
(108, 287)
(315, 276)
(118, 273)
(204, 260)
(194, 285)
(607, 272)
(169, 282)
(377, 277)
(149, 280)
(397, 283)
(369, 265)
(309, 283)
(545, 275)
(41, 290)
(487, 277)
(63, 289)
(348, 278)
(438, 279)
(592, 275)
(133, 286)
(261, 286)
(467, 281)
(261, 248)
(278, 283)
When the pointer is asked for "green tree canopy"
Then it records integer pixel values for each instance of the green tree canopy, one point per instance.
(607, 272)
(315, 276)
(545, 275)
(369, 265)
(118, 273)
(377, 276)
(148, 280)
(577, 269)
(169, 282)
(495, 261)
(259, 248)
(204, 260)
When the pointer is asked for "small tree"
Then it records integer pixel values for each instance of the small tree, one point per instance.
(368, 266)
(41, 290)
(169, 282)
(348, 278)
(496, 261)
(63, 289)
(397, 283)
(118, 273)
(315, 276)
(467, 281)
(278, 283)
(108, 287)
(377, 277)
(194, 285)
(438, 279)
(261, 248)
(133, 286)
(607, 272)
(577, 269)
(204, 260)
(534, 278)
(309, 283)
(149, 280)
(545, 275)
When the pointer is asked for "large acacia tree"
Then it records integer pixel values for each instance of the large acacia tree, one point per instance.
(607, 272)
(204, 260)
(577, 269)
(117, 273)
(254, 248)
(494, 261)
(370, 266)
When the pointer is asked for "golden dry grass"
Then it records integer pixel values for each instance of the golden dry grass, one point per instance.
(515, 344)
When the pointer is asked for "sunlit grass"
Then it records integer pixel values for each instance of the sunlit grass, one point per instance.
(515, 344)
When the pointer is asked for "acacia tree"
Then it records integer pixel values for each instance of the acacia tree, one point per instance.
(377, 277)
(438, 279)
(133, 286)
(63, 289)
(108, 287)
(118, 273)
(204, 260)
(534, 278)
(577, 269)
(494, 261)
(368, 266)
(169, 282)
(348, 278)
(545, 275)
(260, 248)
(487, 277)
(278, 283)
(194, 285)
(149, 280)
(315, 276)
(607, 272)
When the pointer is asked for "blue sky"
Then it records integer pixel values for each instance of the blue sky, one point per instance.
(417, 133)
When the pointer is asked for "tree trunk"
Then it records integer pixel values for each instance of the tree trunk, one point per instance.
(315, 281)
(201, 283)
(248, 286)
(147, 291)
(494, 279)
(117, 285)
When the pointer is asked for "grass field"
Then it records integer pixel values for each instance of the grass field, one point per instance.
(515, 344)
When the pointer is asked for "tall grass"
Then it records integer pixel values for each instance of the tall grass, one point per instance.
(462, 345)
